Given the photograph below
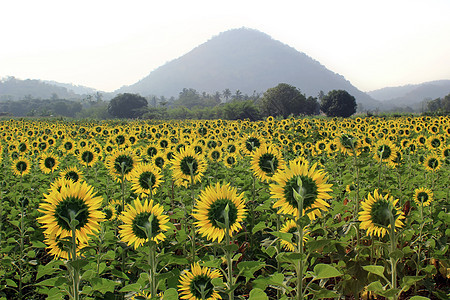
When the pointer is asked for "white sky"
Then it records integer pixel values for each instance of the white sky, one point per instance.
(108, 44)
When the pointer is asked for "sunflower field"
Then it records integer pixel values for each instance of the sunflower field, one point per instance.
(299, 208)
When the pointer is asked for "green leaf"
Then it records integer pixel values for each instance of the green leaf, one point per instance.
(134, 287)
(270, 251)
(260, 226)
(322, 271)
(375, 286)
(10, 282)
(324, 293)
(258, 294)
(103, 285)
(170, 294)
(248, 268)
(377, 270)
(316, 244)
(396, 254)
(419, 298)
(282, 235)
(119, 274)
(78, 263)
(390, 293)
(408, 281)
(290, 257)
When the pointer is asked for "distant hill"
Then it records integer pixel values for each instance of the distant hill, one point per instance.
(17, 89)
(246, 60)
(413, 92)
(77, 89)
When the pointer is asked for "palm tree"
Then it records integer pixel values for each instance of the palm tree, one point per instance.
(226, 93)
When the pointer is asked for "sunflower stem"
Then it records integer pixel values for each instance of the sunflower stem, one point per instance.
(299, 196)
(393, 259)
(191, 171)
(228, 254)
(73, 258)
(355, 214)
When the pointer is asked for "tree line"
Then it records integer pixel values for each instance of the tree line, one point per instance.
(283, 100)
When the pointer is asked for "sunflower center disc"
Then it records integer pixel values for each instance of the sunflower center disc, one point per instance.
(141, 220)
(75, 205)
(201, 282)
(308, 185)
(216, 212)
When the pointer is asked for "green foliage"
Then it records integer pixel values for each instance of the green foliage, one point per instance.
(338, 103)
(284, 100)
(127, 106)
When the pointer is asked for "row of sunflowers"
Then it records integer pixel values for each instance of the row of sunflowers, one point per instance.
(298, 208)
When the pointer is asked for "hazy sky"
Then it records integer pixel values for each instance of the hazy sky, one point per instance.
(108, 44)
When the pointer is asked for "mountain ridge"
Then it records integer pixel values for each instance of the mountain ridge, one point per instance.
(246, 60)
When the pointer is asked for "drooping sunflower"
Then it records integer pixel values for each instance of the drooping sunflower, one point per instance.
(423, 196)
(145, 179)
(291, 227)
(48, 163)
(209, 211)
(193, 282)
(266, 162)
(140, 215)
(121, 163)
(110, 211)
(71, 200)
(56, 246)
(313, 184)
(385, 150)
(21, 166)
(348, 144)
(72, 173)
(376, 214)
(87, 157)
(185, 163)
(432, 162)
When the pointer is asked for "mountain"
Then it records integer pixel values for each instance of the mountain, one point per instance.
(77, 89)
(246, 60)
(413, 94)
(17, 89)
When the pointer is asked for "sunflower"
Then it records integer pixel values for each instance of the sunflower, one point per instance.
(57, 248)
(121, 163)
(423, 196)
(87, 157)
(313, 184)
(159, 160)
(145, 179)
(72, 173)
(21, 166)
(110, 211)
(432, 162)
(71, 200)
(209, 211)
(146, 215)
(197, 283)
(48, 163)
(348, 144)
(230, 160)
(385, 150)
(266, 162)
(185, 163)
(251, 143)
(291, 227)
(376, 214)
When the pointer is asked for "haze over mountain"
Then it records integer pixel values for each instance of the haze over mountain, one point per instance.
(246, 60)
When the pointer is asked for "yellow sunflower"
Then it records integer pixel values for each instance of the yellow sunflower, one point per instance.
(385, 150)
(110, 211)
(140, 216)
(187, 163)
(71, 200)
(251, 143)
(121, 163)
(57, 248)
(196, 284)
(314, 186)
(210, 211)
(291, 227)
(48, 163)
(145, 179)
(87, 157)
(423, 196)
(21, 166)
(266, 162)
(432, 162)
(376, 214)
(72, 173)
